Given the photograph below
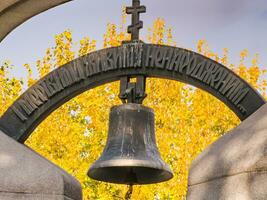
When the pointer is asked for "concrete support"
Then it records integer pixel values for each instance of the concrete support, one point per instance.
(25, 174)
(15, 12)
(235, 166)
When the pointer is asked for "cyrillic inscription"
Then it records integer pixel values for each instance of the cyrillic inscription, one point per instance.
(135, 56)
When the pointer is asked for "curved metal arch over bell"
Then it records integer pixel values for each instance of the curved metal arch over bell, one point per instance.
(131, 155)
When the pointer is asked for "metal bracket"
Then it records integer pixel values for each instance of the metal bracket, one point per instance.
(133, 92)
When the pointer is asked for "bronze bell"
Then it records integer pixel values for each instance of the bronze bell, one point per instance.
(131, 155)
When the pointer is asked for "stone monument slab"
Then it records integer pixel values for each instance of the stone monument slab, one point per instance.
(235, 166)
(15, 12)
(24, 174)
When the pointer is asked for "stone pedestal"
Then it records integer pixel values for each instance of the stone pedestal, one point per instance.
(26, 175)
(235, 166)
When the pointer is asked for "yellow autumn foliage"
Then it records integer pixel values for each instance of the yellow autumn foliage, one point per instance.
(187, 119)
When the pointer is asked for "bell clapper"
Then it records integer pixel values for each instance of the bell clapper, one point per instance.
(129, 193)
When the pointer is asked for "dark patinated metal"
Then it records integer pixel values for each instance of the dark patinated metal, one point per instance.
(135, 11)
(131, 155)
(133, 92)
(131, 60)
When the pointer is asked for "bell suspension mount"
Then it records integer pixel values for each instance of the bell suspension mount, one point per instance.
(133, 92)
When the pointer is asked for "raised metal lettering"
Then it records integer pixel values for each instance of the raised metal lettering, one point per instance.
(19, 114)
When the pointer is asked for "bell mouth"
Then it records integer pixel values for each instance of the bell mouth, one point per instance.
(133, 172)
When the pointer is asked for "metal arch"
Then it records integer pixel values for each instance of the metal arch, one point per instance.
(130, 59)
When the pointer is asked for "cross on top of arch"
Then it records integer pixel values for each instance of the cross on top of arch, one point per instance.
(136, 25)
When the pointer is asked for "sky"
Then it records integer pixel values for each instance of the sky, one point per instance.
(232, 24)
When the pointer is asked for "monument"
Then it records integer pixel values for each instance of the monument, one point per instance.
(234, 167)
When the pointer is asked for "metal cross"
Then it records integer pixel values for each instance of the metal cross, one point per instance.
(135, 11)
